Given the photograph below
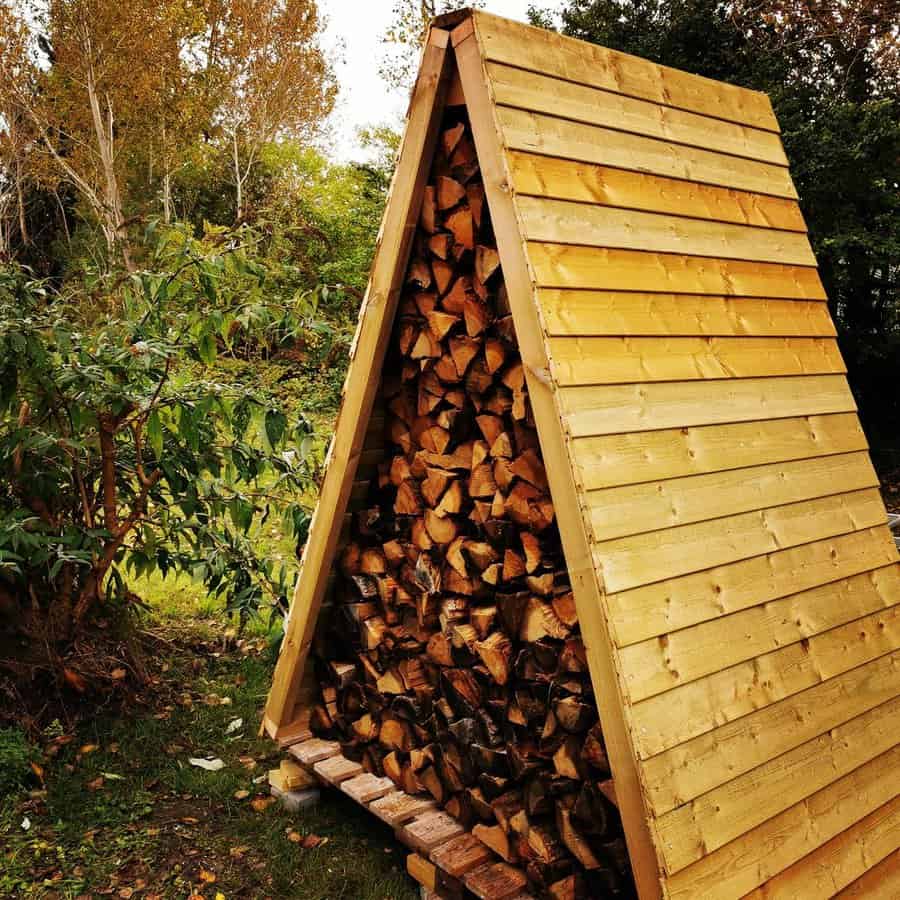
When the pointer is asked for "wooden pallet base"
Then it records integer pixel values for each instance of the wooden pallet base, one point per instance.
(448, 861)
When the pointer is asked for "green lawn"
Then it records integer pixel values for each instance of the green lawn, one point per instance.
(122, 813)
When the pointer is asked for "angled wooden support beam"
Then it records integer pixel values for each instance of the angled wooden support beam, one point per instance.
(366, 355)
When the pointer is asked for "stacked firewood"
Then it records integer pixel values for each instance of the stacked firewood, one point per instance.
(453, 661)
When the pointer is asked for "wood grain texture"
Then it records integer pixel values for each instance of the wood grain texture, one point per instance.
(593, 268)
(567, 179)
(615, 409)
(881, 882)
(564, 222)
(586, 585)
(609, 360)
(842, 860)
(685, 772)
(637, 509)
(571, 60)
(622, 459)
(538, 133)
(762, 853)
(535, 92)
(597, 313)
(665, 606)
(666, 720)
(654, 666)
(704, 825)
(646, 558)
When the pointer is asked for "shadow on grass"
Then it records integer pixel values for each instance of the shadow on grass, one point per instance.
(122, 813)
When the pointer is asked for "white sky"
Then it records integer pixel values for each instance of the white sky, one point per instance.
(354, 31)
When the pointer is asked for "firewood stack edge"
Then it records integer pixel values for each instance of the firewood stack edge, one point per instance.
(450, 660)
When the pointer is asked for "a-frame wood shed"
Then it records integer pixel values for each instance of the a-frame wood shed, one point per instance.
(734, 577)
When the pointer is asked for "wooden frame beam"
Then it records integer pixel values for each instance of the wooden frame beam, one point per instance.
(366, 355)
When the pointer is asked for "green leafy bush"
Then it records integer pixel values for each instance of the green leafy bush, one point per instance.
(123, 450)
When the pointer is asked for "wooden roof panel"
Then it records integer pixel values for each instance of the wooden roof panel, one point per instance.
(566, 179)
(534, 92)
(576, 61)
(550, 136)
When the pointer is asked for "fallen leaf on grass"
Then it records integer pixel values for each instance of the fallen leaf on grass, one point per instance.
(248, 762)
(96, 784)
(38, 770)
(234, 725)
(211, 765)
(295, 837)
(190, 820)
(111, 776)
(207, 876)
(241, 795)
(88, 748)
(261, 804)
(26, 824)
(238, 852)
(126, 893)
(311, 841)
(117, 674)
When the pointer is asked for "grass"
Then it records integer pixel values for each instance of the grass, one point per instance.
(119, 811)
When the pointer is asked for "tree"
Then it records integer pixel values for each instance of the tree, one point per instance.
(268, 75)
(832, 70)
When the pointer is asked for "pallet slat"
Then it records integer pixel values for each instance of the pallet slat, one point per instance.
(881, 882)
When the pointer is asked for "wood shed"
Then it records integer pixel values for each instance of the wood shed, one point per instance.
(597, 451)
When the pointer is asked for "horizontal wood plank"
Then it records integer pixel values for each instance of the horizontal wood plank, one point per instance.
(667, 720)
(702, 826)
(685, 772)
(881, 882)
(562, 57)
(535, 92)
(564, 222)
(620, 313)
(621, 459)
(645, 558)
(762, 853)
(614, 409)
(842, 860)
(622, 511)
(656, 665)
(612, 360)
(568, 179)
(538, 133)
(666, 606)
(598, 268)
